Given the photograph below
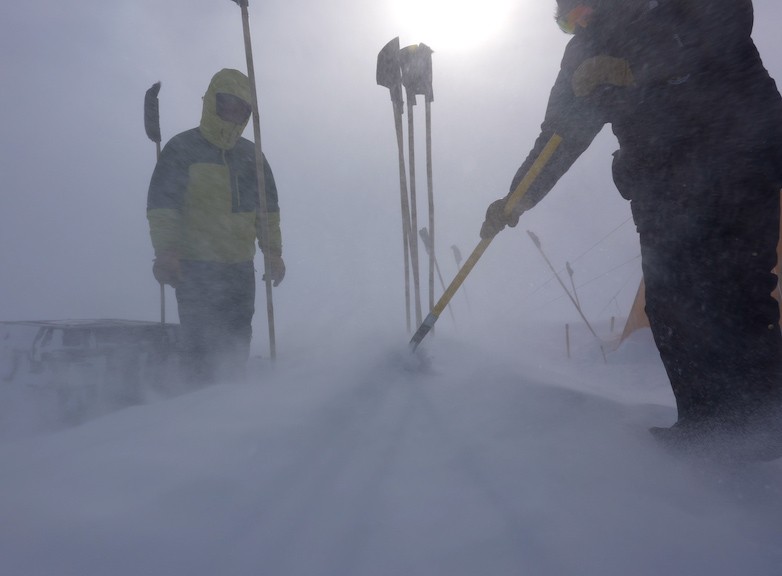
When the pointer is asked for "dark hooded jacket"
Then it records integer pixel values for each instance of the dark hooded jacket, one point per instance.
(680, 82)
(202, 203)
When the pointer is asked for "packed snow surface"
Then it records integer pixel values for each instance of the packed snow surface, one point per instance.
(359, 459)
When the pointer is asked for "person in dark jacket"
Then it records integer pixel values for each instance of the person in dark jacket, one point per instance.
(204, 219)
(699, 126)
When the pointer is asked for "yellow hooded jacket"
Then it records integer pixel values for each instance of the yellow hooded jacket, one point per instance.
(203, 201)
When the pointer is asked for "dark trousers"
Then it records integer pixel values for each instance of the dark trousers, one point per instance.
(708, 245)
(216, 304)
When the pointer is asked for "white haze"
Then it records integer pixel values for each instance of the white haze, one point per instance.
(354, 459)
(502, 456)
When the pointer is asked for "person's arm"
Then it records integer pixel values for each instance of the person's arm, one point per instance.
(268, 227)
(164, 212)
(573, 118)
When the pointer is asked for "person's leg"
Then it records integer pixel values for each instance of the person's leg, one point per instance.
(747, 352)
(707, 268)
(237, 309)
(674, 300)
(198, 295)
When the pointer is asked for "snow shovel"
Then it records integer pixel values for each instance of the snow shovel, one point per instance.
(152, 128)
(426, 238)
(417, 79)
(457, 256)
(388, 74)
(521, 189)
(413, 79)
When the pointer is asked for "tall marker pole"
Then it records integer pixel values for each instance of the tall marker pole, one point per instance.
(259, 165)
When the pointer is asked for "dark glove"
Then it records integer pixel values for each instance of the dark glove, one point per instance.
(497, 219)
(166, 268)
(276, 267)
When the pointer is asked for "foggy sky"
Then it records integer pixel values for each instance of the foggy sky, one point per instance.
(76, 162)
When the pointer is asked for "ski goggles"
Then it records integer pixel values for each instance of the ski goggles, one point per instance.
(574, 18)
(232, 108)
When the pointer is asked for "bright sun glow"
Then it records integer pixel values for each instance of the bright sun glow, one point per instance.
(451, 24)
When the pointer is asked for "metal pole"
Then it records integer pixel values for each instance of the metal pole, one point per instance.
(259, 170)
(152, 128)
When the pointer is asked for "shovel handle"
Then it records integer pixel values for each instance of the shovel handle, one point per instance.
(522, 188)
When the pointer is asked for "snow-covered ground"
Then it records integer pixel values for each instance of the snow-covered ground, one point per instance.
(354, 458)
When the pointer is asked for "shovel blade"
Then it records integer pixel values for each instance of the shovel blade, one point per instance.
(152, 113)
(416, 65)
(388, 73)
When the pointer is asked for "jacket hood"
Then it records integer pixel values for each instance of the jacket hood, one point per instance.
(572, 15)
(217, 131)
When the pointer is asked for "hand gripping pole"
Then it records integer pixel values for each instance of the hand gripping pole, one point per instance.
(522, 188)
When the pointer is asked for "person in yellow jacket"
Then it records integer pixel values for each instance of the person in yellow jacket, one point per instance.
(204, 219)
